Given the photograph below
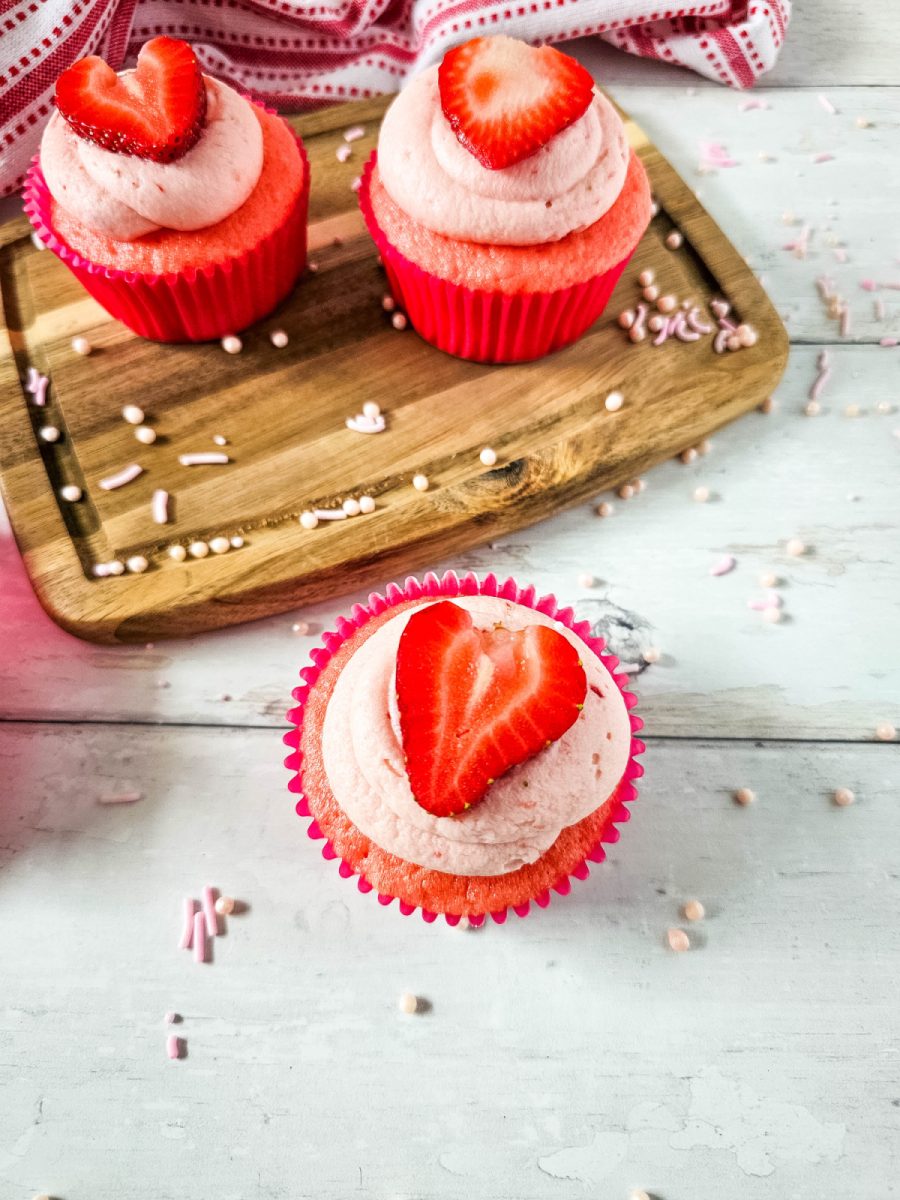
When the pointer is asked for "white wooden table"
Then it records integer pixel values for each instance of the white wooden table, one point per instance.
(570, 1054)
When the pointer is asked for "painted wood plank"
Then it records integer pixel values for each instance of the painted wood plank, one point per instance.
(828, 671)
(565, 1054)
(829, 43)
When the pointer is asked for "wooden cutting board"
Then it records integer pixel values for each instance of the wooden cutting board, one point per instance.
(283, 413)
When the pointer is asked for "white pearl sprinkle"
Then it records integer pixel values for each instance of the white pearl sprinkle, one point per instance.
(49, 433)
(626, 319)
(236, 542)
(626, 491)
(408, 1003)
(232, 344)
(701, 494)
(772, 614)
(674, 241)
(219, 440)
(678, 940)
(605, 509)
(883, 407)
(398, 320)
(843, 797)
(420, 483)
(768, 579)
(219, 545)
(388, 303)
(278, 338)
(863, 123)
(133, 415)
(744, 796)
(198, 549)
(734, 342)
(636, 335)
(309, 520)
(351, 507)
(71, 492)
(704, 447)
(371, 409)
(767, 406)
(586, 580)
(652, 654)
(639, 485)
(137, 564)
(613, 401)
(812, 408)
(177, 552)
(655, 323)
(646, 277)
(116, 567)
(651, 292)
(224, 906)
(654, 209)
(81, 346)
(488, 456)
(639, 1194)
(665, 304)
(145, 435)
(795, 547)
(885, 731)
(852, 410)
(693, 910)
(301, 628)
(689, 455)
(366, 504)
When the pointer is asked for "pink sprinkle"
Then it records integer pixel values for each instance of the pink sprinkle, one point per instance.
(714, 154)
(354, 133)
(126, 475)
(694, 322)
(757, 605)
(187, 932)
(749, 105)
(845, 321)
(209, 911)
(868, 285)
(173, 1046)
(159, 506)
(719, 308)
(840, 254)
(199, 937)
(888, 341)
(171, 1018)
(823, 158)
(36, 385)
(640, 317)
(822, 378)
(892, 286)
(356, 184)
(725, 564)
(343, 153)
(827, 105)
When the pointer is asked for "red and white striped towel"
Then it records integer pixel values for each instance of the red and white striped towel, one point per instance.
(295, 54)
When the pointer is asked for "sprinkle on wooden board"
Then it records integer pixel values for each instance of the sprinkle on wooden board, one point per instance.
(81, 345)
(50, 433)
(71, 492)
(159, 506)
(36, 385)
(205, 458)
(133, 414)
(120, 478)
(354, 133)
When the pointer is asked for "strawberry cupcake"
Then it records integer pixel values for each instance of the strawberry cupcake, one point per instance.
(504, 201)
(463, 747)
(179, 205)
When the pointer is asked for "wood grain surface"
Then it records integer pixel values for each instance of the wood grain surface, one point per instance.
(283, 413)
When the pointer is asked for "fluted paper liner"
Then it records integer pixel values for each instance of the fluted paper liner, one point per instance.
(446, 587)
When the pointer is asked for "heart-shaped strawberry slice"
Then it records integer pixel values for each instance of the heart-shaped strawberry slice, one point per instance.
(155, 112)
(474, 702)
(506, 99)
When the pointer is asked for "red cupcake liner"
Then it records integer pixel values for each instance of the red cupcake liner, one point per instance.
(199, 303)
(481, 325)
(447, 586)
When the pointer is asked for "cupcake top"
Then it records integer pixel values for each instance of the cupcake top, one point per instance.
(503, 144)
(465, 735)
(159, 147)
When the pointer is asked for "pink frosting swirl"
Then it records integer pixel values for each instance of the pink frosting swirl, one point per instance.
(125, 197)
(569, 184)
(522, 814)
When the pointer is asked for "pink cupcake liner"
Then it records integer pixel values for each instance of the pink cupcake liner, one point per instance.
(194, 305)
(482, 325)
(448, 586)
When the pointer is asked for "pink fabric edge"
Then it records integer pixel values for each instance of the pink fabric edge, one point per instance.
(448, 586)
